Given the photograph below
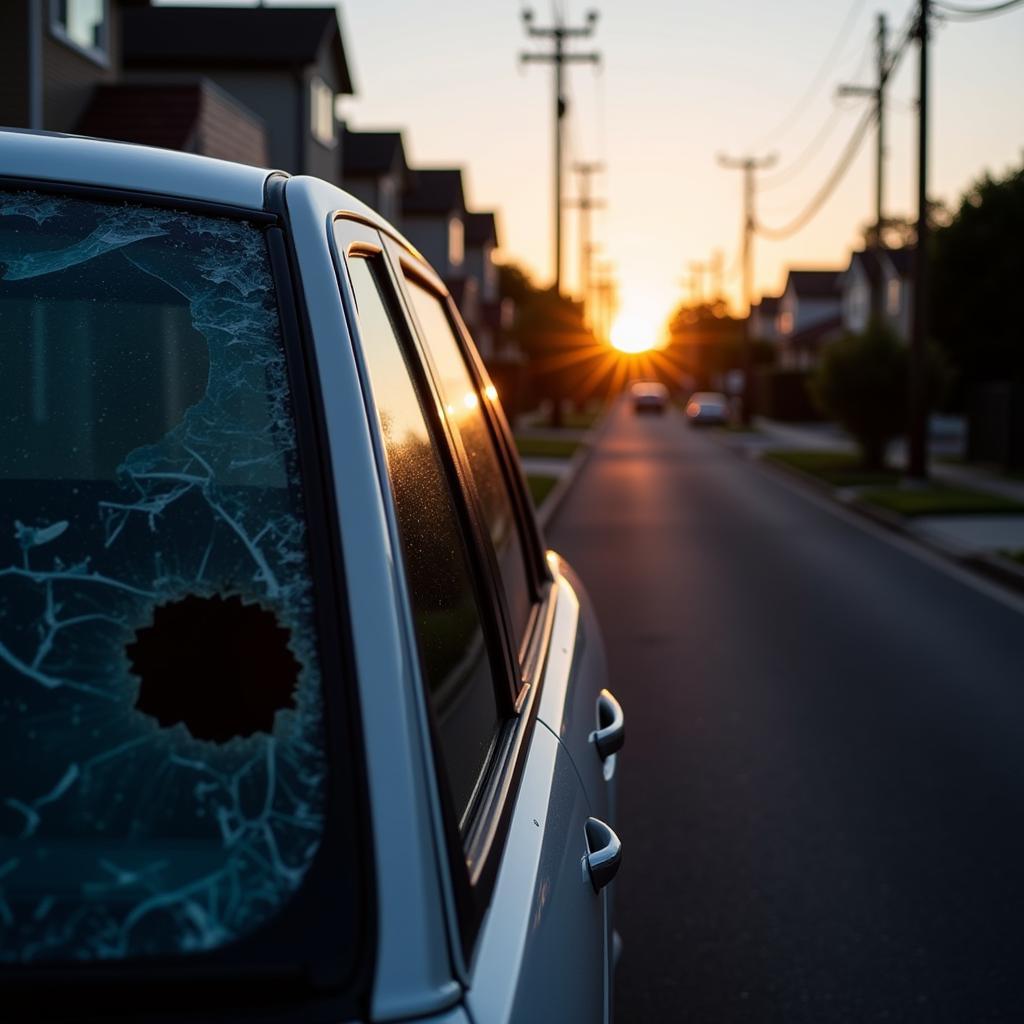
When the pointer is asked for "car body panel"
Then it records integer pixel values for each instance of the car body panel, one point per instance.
(543, 939)
(45, 156)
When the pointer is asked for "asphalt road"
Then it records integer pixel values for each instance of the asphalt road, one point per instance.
(821, 797)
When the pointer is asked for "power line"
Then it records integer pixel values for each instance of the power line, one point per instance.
(811, 150)
(812, 90)
(955, 12)
(824, 193)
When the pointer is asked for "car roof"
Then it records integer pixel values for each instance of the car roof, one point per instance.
(75, 159)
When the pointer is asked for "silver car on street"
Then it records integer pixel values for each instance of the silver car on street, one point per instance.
(301, 720)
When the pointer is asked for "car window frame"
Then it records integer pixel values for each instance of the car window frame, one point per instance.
(538, 574)
(286, 956)
(471, 858)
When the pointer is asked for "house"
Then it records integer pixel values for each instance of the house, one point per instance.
(285, 64)
(809, 316)
(53, 56)
(433, 219)
(884, 273)
(494, 317)
(194, 117)
(764, 319)
(376, 170)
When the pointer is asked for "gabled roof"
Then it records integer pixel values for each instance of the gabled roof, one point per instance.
(369, 154)
(869, 261)
(208, 37)
(481, 228)
(814, 284)
(434, 191)
(769, 305)
(902, 260)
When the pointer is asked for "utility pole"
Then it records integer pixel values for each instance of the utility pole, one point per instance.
(697, 269)
(558, 34)
(917, 463)
(717, 270)
(877, 93)
(585, 203)
(748, 165)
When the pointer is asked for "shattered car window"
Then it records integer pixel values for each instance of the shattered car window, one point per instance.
(162, 768)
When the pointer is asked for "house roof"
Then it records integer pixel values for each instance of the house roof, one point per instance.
(434, 191)
(481, 228)
(901, 259)
(870, 262)
(814, 284)
(369, 154)
(206, 37)
(769, 305)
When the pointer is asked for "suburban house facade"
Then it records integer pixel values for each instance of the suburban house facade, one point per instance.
(376, 170)
(764, 319)
(52, 57)
(809, 316)
(881, 272)
(434, 219)
(494, 316)
(286, 65)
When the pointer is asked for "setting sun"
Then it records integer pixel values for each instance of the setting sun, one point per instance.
(635, 331)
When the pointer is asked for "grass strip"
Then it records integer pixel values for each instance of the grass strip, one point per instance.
(838, 469)
(546, 447)
(939, 501)
(540, 487)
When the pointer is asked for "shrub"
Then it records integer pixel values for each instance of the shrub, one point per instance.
(862, 383)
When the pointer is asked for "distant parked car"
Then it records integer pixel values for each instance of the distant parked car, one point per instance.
(300, 719)
(707, 408)
(648, 396)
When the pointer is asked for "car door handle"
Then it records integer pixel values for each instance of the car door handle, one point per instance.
(604, 853)
(610, 733)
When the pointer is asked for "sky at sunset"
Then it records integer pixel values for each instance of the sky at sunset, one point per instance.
(681, 81)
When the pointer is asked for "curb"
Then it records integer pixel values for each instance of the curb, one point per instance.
(551, 504)
(994, 567)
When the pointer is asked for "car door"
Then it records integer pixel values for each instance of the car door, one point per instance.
(482, 611)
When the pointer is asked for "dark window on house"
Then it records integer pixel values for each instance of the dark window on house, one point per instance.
(85, 23)
(464, 406)
(163, 762)
(453, 646)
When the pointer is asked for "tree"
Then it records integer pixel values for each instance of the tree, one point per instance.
(977, 266)
(560, 349)
(862, 383)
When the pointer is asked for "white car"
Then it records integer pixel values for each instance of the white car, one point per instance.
(648, 396)
(300, 719)
(708, 408)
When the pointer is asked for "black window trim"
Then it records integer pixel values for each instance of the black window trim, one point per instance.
(284, 965)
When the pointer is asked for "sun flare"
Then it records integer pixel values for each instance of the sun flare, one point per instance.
(635, 331)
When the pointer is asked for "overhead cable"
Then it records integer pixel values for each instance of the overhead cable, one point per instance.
(812, 90)
(825, 192)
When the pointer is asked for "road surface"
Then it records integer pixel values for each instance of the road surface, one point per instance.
(821, 797)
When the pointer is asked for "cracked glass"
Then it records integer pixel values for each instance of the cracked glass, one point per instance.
(162, 766)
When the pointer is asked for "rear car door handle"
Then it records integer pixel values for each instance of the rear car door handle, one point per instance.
(604, 853)
(610, 733)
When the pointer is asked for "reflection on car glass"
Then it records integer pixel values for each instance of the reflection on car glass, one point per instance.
(162, 757)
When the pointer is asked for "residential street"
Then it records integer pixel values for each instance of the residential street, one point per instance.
(821, 792)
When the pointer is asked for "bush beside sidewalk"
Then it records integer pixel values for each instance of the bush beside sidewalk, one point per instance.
(964, 512)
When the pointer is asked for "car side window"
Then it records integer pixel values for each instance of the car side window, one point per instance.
(161, 698)
(464, 406)
(445, 604)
